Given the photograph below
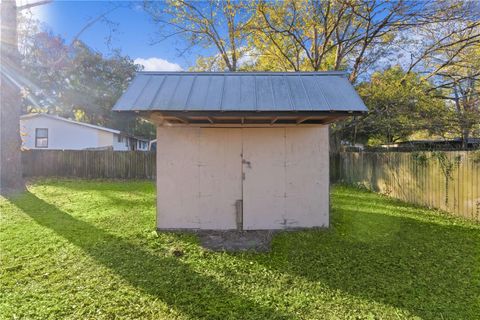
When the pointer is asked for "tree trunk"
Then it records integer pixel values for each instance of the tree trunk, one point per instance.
(465, 137)
(11, 180)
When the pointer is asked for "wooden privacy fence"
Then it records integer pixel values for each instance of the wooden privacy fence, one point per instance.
(89, 164)
(444, 180)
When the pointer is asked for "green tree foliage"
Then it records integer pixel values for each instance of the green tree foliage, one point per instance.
(78, 82)
(95, 83)
(460, 87)
(399, 104)
(47, 60)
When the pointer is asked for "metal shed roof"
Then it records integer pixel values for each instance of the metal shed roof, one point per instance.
(241, 92)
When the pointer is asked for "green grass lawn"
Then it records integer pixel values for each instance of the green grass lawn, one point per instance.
(88, 250)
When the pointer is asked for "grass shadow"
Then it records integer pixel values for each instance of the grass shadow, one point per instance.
(166, 277)
(431, 269)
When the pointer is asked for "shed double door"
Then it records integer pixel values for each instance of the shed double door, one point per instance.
(202, 173)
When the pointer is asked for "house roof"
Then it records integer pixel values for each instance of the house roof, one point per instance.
(315, 92)
(55, 117)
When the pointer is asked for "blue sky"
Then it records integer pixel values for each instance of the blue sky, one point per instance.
(134, 34)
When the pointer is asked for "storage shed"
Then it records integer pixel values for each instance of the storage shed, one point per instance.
(241, 150)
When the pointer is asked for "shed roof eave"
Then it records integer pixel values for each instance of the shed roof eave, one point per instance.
(229, 113)
(248, 118)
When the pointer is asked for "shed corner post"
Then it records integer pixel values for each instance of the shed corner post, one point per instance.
(328, 175)
(157, 177)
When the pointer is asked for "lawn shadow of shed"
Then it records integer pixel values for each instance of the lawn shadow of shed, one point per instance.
(428, 268)
(184, 289)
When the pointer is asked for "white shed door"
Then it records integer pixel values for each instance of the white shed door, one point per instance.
(264, 178)
(286, 178)
(220, 179)
(199, 177)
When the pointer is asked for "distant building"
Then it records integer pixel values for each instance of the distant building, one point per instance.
(51, 132)
(349, 146)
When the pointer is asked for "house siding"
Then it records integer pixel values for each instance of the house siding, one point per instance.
(63, 135)
(120, 146)
(105, 139)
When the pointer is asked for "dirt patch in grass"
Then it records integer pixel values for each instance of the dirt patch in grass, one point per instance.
(255, 240)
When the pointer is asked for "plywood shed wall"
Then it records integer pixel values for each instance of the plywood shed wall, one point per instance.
(281, 175)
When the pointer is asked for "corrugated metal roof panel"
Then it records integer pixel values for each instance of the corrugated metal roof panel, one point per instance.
(198, 95)
(238, 91)
(165, 93)
(281, 94)
(315, 95)
(264, 93)
(248, 94)
(231, 93)
(215, 94)
(300, 98)
(129, 97)
(181, 93)
(149, 92)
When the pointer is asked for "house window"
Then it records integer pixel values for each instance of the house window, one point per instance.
(41, 138)
(120, 138)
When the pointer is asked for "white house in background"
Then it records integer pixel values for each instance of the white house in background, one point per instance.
(51, 132)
